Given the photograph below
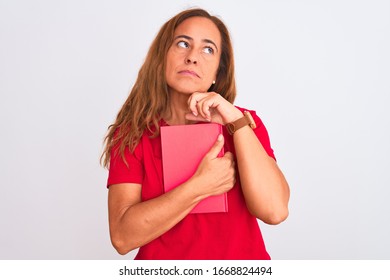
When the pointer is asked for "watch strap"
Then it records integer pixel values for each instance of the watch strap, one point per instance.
(241, 122)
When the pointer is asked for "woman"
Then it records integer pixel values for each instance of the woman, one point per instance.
(188, 77)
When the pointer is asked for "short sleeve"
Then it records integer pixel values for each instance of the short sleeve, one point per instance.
(119, 172)
(261, 133)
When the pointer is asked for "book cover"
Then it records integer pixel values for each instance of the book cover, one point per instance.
(183, 148)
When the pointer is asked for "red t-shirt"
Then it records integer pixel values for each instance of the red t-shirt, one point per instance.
(233, 235)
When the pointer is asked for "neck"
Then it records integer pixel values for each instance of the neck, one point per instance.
(178, 108)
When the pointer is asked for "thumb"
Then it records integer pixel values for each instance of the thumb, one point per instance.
(216, 148)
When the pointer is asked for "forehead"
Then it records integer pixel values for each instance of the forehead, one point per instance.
(199, 28)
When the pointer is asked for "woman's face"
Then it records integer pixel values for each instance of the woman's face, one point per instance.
(193, 58)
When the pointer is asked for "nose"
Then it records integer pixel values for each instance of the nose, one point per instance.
(191, 58)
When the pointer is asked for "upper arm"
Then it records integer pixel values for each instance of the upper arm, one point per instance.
(262, 134)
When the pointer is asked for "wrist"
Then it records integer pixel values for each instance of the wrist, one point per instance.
(234, 116)
(244, 121)
(195, 192)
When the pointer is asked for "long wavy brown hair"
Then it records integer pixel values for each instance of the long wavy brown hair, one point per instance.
(149, 97)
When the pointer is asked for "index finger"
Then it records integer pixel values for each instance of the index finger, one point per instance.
(193, 100)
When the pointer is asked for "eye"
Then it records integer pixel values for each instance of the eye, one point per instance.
(208, 50)
(183, 44)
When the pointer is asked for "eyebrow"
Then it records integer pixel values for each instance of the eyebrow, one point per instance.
(191, 39)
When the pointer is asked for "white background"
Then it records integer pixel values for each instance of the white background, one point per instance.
(317, 73)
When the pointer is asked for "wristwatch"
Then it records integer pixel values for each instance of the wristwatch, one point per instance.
(241, 122)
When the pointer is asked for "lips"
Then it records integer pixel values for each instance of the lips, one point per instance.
(189, 72)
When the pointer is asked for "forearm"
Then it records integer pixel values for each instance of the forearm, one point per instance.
(134, 223)
(264, 186)
(265, 189)
(138, 224)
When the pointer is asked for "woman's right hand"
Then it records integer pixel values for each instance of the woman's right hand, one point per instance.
(134, 223)
(215, 175)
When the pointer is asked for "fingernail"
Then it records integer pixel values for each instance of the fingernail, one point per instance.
(194, 113)
(220, 137)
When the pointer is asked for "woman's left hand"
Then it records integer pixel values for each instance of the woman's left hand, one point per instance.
(211, 107)
(265, 189)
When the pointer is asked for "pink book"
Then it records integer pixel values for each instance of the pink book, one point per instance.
(183, 148)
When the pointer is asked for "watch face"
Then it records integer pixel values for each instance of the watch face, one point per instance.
(236, 125)
(230, 128)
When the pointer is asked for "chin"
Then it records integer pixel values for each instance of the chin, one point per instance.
(186, 85)
(187, 90)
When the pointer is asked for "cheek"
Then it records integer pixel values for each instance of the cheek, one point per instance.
(170, 62)
(213, 71)
(212, 65)
(168, 67)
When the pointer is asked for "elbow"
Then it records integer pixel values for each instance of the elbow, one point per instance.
(274, 217)
(121, 250)
(121, 246)
(277, 218)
